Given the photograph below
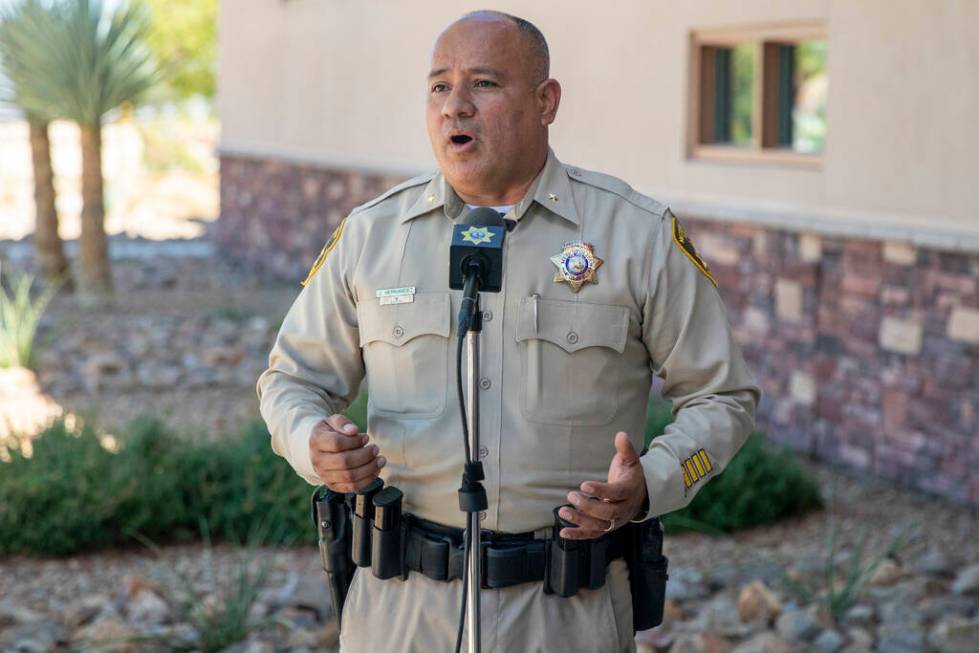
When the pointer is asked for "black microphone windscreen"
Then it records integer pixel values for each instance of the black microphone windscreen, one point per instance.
(483, 216)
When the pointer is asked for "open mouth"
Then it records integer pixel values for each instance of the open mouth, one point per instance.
(460, 139)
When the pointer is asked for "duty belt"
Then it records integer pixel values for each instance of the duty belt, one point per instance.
(511, 559)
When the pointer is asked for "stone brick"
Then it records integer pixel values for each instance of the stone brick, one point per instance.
(788, 300)
(810, 248)
(900, 252)
(963, 325)
(902, 336)
(802, 388)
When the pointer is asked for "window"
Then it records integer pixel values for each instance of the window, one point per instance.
(759, 94)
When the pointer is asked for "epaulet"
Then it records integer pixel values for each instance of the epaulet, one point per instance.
(414, 181)
(618, 187)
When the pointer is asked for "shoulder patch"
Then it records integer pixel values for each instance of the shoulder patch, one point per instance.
(410, 183)
(618, 187)
(683, 241)
(327, 248)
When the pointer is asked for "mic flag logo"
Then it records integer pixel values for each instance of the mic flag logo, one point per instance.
(477, 235)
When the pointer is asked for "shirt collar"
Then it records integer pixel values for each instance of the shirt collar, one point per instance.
(551, 189)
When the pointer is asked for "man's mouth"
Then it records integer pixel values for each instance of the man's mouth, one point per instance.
(460, 139)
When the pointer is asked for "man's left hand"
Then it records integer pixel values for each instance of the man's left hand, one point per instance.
(603, 507)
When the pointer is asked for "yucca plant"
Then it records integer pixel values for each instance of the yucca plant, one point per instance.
(84, 61)
(17, 24)
(20, 315)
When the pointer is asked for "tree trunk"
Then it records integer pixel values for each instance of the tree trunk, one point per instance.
(49, 250)
(94, 275)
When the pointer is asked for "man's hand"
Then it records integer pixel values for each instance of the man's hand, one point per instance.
(341, 457)
(600, 506)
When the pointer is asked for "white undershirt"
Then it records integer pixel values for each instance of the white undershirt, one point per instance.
(502, 210)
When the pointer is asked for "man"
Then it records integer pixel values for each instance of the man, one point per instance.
(601, 290)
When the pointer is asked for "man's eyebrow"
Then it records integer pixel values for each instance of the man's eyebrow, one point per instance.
(478, 70)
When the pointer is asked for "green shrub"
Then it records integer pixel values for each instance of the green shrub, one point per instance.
(762, 484)
(19, 318)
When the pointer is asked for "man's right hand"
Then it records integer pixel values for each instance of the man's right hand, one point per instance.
(341, 456)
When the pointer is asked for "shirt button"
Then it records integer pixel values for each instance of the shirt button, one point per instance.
(483, 452)
(572, 337)
(485, 383)
(398, 332)
(487, 316)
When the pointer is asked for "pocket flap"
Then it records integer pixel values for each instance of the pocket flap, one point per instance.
(396, 324)
(573, 325)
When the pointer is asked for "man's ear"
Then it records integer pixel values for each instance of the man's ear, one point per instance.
(549, 98)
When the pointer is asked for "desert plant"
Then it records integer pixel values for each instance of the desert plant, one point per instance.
(87, 60)
(19, 26)
(837, 591)
(20, 314)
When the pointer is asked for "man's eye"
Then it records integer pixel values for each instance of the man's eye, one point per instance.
(484, 83)
(439, 88)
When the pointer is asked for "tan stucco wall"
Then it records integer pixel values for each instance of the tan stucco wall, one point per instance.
(341, 82)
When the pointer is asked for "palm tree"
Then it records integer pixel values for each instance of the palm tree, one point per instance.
(88, 61)
(17, 25)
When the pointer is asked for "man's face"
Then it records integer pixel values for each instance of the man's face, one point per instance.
(487, 119)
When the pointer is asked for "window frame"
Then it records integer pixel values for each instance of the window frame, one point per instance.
(765, 40)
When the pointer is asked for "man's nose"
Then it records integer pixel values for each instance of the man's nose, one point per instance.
(458, 104)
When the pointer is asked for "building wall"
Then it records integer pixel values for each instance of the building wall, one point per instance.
(342, 83)
(853, 286)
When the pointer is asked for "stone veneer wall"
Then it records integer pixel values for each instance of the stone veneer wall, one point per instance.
(867, 352)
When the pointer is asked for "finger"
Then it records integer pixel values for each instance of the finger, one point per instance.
(347, 479)
(346, 460)
(613, 492)
(328, 441)
(625, 450)
(594, 507)
(582, 520)
(342, 424)
(580, 534)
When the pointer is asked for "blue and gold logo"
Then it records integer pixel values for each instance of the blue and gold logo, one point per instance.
(477, 235)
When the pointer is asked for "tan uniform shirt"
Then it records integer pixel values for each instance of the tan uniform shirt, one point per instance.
(561, 371)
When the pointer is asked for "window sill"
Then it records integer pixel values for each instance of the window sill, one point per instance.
(749, 156)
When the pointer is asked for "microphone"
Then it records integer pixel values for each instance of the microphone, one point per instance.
(476, 259)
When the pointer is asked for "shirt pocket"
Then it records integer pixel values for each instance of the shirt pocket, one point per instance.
(570, 353)
(405, 348)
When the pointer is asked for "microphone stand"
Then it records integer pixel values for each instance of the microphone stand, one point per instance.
(472, 418)
(472, 494)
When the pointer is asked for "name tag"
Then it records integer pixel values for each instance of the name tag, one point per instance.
(388, 296)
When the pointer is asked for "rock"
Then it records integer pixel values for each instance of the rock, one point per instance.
(898, 604)
(764, 643)
(108, 633)
(34, 637)
(797, 625)
(967, 581)
(686, 584)
(887, 573)
(81, 612)
(653, 640)
(860, 614)
(955, 635)
(700, 643)
(147, 608)
(672, 612)
(221, 356)
(828, 641)
(721, 616)
(105, 370)
(13, 614)
(158, 376)
(313, 593)
(860, 638)
(933, 562)
(900, 638)
(757, 602)
(250, 645)
(935, 608)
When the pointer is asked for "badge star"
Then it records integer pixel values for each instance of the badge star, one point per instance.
(477, 235)
(576, 264)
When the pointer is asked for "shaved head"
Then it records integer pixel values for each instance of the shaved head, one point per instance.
(540, 55)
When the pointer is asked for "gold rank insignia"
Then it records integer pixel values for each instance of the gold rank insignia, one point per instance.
(576, 264)
(330, 244)
(683, 241)
(477, 235)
